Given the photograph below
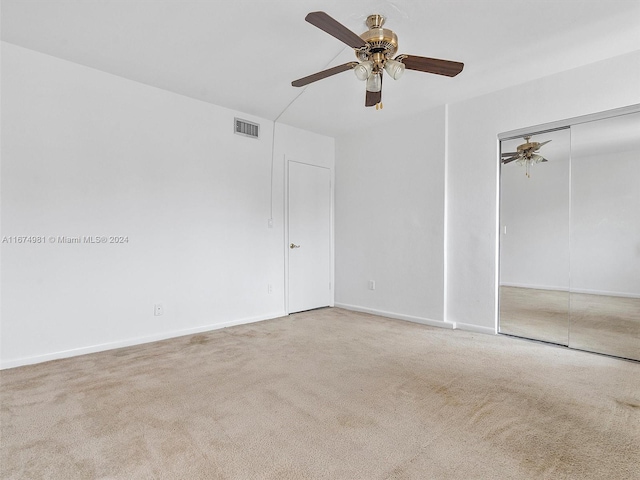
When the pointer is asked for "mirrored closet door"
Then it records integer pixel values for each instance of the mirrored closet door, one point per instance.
(535, 240)
(570, 236)
(605, 236)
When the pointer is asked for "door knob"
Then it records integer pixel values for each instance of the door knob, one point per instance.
(293, 245)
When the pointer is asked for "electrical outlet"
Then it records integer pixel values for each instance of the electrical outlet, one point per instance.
(269, 288)
(158, 309)
(372, 284)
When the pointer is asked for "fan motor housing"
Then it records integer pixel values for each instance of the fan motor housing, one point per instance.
(380, 41)
(532, 146)
(528, 149)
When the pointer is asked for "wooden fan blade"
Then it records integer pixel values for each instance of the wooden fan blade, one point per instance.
(431, 65)
(373, 98)
(336, 29)
(541, 144)
(301, 82)
(509, 154)
(509, 160)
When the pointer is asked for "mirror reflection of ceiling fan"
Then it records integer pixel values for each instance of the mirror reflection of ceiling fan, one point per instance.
(374, 50)
(525, 155)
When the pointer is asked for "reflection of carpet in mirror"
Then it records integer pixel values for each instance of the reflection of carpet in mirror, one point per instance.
(598, 323)
(532, 313)
(605, 324)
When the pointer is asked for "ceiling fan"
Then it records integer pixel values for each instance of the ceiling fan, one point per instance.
(374, 50)
(526, 154)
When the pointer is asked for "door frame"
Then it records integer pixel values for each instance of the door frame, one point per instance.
(287, 160)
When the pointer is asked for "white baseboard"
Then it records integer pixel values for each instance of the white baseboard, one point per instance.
(535, 287)
(19, 362)
(397, 316)
(605, 293)
(474, 328)
(573, 290)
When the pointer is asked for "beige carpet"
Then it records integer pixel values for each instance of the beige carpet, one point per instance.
(326, 394)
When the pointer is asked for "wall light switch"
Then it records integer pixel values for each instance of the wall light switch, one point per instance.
(158, 309)
(372, 284)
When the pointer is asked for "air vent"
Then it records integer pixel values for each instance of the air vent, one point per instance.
(248, 129)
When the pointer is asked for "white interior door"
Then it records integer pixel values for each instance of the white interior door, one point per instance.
(309, 237)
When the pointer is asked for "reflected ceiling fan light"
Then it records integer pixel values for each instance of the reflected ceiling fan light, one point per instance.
(526, 154)
(394, 68)
(363, 71)
(374, 83)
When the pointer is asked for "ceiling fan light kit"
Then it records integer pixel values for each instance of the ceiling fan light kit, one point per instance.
(374, 49)
(374, 82)
(363, 70)
(394, 68)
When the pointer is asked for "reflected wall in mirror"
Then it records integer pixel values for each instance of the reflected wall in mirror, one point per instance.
(605, 236)
(534, 239)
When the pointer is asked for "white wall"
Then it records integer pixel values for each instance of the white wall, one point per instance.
(605, 239)
(605, 206)
(392, 192)
(534, 252)
(390, 218)
(602, 225)
(86, 153)
(473, 166)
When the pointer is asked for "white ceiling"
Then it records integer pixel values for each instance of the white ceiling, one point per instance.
(243, 54)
